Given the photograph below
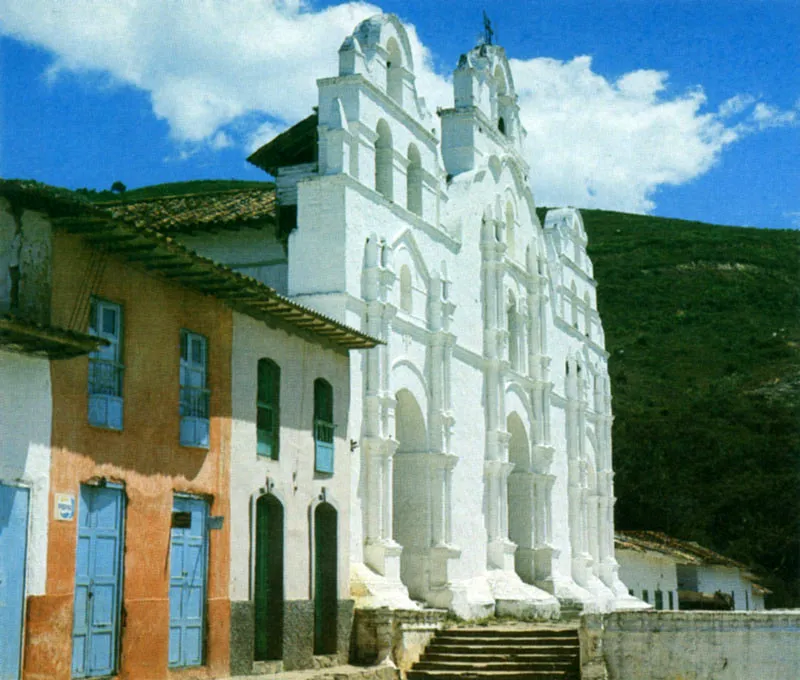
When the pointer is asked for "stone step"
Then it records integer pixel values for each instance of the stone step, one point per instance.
(503, 675)
(504, 648)
(502, 653)
(571, 655)
(510, 633)
(475, 665)
(497, 639)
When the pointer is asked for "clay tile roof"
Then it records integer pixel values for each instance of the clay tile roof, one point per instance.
(231, 209)
(684, 552)
(140, 237)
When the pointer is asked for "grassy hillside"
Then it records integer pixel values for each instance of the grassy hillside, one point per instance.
(172, 189)
(703, 330)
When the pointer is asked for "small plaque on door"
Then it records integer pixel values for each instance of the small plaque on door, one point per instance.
(215, 522)
(181, 520)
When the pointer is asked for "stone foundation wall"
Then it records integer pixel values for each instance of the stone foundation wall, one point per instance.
(691, 645)
(298, 637)
(398, 635)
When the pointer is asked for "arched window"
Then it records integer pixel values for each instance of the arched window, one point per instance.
(383, 161)
(414, 181)
(394, 74)
(406, 291)
(587, 314)
(501, 125)
(323, 426)
(268, 409)
(513, 332)
(574, 304)
(510, 233)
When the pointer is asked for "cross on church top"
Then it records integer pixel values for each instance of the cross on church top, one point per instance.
(488, 31)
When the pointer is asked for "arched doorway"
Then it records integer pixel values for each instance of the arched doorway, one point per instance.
(520, 498)
(410, 483)
(268, 588)
(326, 560)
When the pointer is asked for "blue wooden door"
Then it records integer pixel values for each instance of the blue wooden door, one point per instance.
(98, 589)
(187, 581)
(13, 544)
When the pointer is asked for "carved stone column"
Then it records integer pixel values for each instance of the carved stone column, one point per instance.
(381, 552)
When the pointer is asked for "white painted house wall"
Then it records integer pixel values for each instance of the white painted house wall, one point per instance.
(649, 571)
(291, 478)
(710, 578)
(253, 252)
(25, 449)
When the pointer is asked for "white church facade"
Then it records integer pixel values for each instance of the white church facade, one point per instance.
(480, 431)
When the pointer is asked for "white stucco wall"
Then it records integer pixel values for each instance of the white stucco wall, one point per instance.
(710, 578)
(649, 571)
(701, 645)
(26, 411)
(292, 477)
(254, 252)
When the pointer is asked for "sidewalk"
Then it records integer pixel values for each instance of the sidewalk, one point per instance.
(334, 673)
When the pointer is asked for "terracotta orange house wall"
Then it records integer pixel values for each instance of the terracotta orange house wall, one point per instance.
(145, 457)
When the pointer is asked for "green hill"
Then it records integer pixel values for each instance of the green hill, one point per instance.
(703, 330)
(172, 189)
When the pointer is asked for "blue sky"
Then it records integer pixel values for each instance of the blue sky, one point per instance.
(681, 108)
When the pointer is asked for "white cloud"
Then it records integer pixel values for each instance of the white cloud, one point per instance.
(767, 116)
(203, 63)
(593, 142)
(736, 104)
(227, 72)
(263, 134)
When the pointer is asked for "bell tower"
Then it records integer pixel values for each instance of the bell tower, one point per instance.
(485, 118)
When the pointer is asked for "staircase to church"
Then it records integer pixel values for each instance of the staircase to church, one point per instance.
(503, 653)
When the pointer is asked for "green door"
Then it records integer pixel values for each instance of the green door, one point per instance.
(325, 580)
(269, 579)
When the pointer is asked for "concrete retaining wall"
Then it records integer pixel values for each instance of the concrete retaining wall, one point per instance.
(692, 645)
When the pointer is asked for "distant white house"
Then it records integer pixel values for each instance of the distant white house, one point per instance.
(672, 574)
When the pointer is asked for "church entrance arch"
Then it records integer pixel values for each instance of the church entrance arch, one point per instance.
(520, 498)
(411, 508)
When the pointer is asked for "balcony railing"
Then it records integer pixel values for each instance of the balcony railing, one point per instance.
(105, 393)
(105, 377)
(194, 411)
(323, 446)
(194, 402)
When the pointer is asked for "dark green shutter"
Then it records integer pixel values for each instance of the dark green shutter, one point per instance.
(268, 408)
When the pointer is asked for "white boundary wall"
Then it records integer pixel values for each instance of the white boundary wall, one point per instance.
(692, 645)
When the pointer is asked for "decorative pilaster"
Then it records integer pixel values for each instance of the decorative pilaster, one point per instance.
(381, 551)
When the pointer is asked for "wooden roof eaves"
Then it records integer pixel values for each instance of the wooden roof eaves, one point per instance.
(52, 342)
(187, 268)
(273, 154)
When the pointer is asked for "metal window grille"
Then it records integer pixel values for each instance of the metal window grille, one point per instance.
(105, 366)
(194, 395)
